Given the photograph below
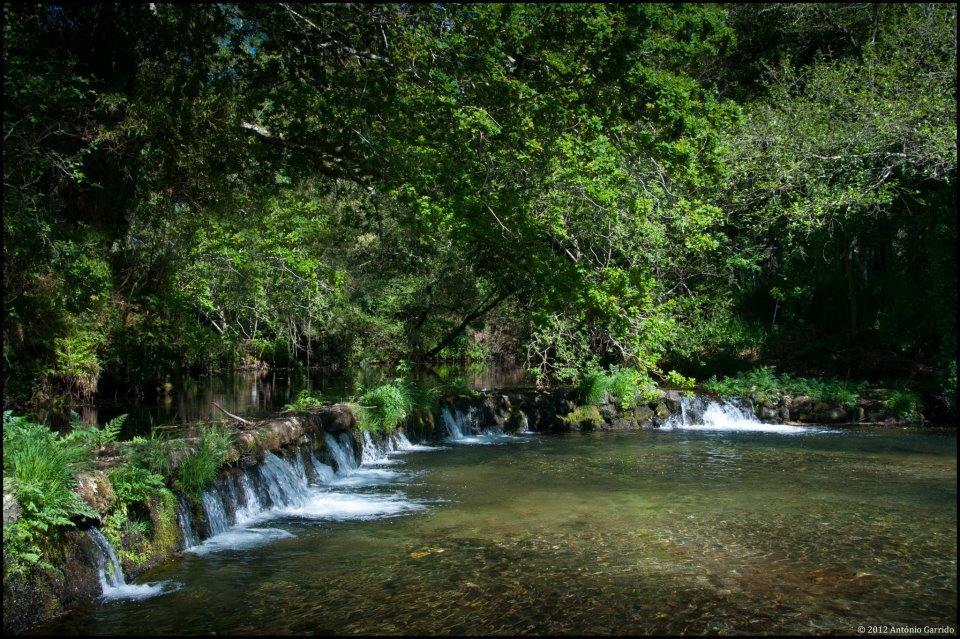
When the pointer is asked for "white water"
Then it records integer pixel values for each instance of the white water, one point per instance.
(462, 429)
(113, 585)
(724, 416)
(281, 488)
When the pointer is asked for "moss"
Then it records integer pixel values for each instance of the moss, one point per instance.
(167, 536)
(584, 417)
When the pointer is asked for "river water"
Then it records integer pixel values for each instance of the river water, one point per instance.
(189, 398)
(688, 530)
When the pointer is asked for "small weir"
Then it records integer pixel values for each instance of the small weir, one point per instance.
(333, 478)
(298, 485)
(697, 413)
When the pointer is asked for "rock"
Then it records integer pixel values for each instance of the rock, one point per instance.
(643, 414)
(671, 399)
(94, 488)
(337, 418)
(11, 509)
(661, 410)
(516, 421)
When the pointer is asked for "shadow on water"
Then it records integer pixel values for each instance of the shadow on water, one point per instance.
(260, 394)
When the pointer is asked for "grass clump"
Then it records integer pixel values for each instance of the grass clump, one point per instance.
(306, 400)
(765, 384)
(385, 407)
(904, 404)
(626, 386)
(39, 469)
(198, 470)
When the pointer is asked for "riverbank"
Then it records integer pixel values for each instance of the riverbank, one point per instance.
(263, 463)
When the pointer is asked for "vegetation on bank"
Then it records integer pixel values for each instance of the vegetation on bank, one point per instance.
(41, 469)
(696, 187)
(763, 383)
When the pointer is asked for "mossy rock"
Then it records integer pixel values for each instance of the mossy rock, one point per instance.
(584, 418)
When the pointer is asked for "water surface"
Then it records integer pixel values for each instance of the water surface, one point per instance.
(673, 531)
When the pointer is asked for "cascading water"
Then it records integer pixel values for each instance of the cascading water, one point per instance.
(462, 428)
(697, 413)
(113, 585)
(186, 525)
(300, 486)
(457, 423)
(342, 452)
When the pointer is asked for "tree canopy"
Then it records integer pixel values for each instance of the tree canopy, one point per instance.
(682, 186)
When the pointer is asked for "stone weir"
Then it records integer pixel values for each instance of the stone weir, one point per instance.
(268, 466)
(273, 465)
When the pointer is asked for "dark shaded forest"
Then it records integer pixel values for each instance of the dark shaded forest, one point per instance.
(682, 190)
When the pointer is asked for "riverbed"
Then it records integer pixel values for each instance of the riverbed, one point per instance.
(809, 530)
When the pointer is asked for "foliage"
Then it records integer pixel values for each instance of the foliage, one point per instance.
(385, 407)
(38, 466)
(94, 437)
(306, 400)
(764, 384)
(677, 380)
(625, 385)
(905, 404)
(198, 469)
(694, 187)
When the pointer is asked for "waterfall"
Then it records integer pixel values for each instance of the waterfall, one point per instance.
(186, 525)
(458, 425)
(322, 473)
(285, 484)
(113, 585)
(463, 429)
(298, 485)
(215, 513)
(342, 452)
(697, 413)
(371, 452)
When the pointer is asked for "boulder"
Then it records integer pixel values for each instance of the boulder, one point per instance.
(11, 509)
(94, 488)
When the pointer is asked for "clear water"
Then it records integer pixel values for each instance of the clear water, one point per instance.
(674, 531)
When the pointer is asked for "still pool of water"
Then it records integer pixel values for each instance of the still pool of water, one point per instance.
(681, 531)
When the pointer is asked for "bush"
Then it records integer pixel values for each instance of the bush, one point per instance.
(38, 467)
(95, 438)
(385, 407)
(199, 469)
(764, 384)
(305, 401)
(904, 404)
(129, 519)
(622, 384)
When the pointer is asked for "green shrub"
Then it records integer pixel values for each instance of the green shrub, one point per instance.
(764, 384)
(198, 470)
(625, 385)
(305, 401)
(674, 378)
(904, 404)
(128, 523)
(39, 469)
(153, 453)
(93, 437)
(385, 407)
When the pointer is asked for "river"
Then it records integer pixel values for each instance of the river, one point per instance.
(730, 529)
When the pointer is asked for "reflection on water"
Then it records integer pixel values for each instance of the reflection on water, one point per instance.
(642, 532)
(255, 394)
